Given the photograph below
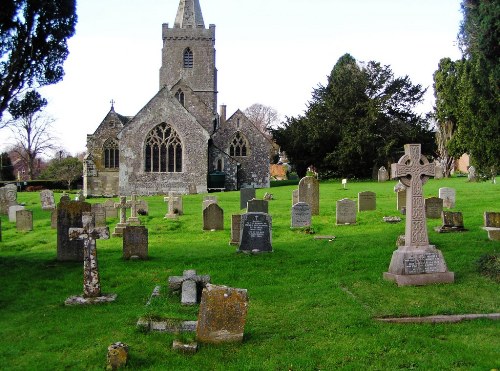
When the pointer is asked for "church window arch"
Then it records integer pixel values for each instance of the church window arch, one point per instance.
(180, 96)
(239, 146)
(111, 154)
(163, 150)
(188, 58)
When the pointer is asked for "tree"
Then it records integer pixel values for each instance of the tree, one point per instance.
(6, 167)
(33, 44)
(68, 169)
(262, 116)
(31, 129)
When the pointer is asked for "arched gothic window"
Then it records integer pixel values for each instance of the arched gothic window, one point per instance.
(111, 154)
(188, 58)
(180, 96)
(163, 150)
(238, 146)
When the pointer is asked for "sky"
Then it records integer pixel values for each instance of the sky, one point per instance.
(272, 52)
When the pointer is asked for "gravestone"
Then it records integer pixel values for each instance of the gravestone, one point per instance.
(53, 219)
(255, 233)
(69, 215)
(472, 176)
(416, 262)
(208, 200)
(47, 199)
(492, 225)
(448, 196)
(400, 190)
(383, 175)
(8, 198)
(367, 201)
(13, 212)
(258, 206)
(268, 196)
(133, 203)
(309, 193)
(452, 222)
(99, 214)
(80, 196)
(24, 220)
(295, 196)
(135, 242)
(190, 285)
(433, 207)
(192, 189)
(122, 224)
(142, 208)
(438, 169)
(344, 184)
(301, 215)
(346, 212)
(117, 356)
(222, 315)
(64, 198)
(109, 207)
(246, 194)
(235, 229)
(174, 206)
(213, 218)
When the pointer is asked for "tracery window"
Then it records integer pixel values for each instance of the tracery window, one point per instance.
(238, 146)
(188, 58)
(163, 150)
(111, 154)
(180, 96)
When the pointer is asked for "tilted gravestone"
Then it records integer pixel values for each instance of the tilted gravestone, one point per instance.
(258, 206)
(492, 225)
(383, 175)
(24, 220)
(448, 196)
(135, 242)
(433, 207)
(309, 193)
(301, 215)
(246, 194)
(416, 262)
(345, 212)
(235, 229)
(255, 233)
(13, 212)
(452, 222)
(222, 314)
(190, 285)
(99, 214)
(213, 218)
(367, 201)
(69, 215)
(8, 198)
(47, 199)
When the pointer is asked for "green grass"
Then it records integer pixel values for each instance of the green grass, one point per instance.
(312, 303)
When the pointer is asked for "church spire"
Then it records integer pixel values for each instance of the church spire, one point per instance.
(189, 15)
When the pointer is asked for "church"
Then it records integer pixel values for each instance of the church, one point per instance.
(178, 141)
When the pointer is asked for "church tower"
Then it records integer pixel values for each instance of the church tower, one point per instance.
(188, 54)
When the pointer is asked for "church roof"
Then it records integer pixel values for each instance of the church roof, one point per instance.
(189, 15)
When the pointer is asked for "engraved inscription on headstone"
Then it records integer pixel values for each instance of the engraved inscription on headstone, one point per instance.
(367, 201)
(301, 215)
(427, 263)
(256, 233)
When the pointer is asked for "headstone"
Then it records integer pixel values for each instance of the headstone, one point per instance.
(189, 285)
(122, 224)
(472, 176)
(143, 208)
(438, 169)
(99, 214)
(13, 212)
(135, 242)
(80, 196)
(64, 198)
(344, 183)
(383, 175)
(367, 201)
(133, 203)
(235, 229)
(448, 196)
(208, 200)
(69, 215)
(295, 196)
(47, 199)
(346, 212)
(53, 219)
(8, 198)
(255, 233)
(174, 207)
(433, 207)
(301, 215)
(24, 220)
(222, 315)
(109, 207)
(192, 189)
(213, 218)
(258, 206)
(400, 190)
(246, 194)
(416, 262)
(117, 356)
(452, 222)
(492, 225)
(309, 193)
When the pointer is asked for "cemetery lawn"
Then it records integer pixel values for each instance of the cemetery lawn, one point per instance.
(313, 304)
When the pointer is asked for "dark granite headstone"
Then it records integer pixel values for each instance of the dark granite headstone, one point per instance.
(135, 242)
(258, 206)
(256, 233)
(433, 207)
(69, 215)
(246, 194)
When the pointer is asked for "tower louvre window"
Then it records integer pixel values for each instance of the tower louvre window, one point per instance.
(163, 150)
(188, 58)
(111, 154)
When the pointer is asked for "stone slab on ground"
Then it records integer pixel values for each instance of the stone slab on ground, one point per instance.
(441, 318)
(81, 300)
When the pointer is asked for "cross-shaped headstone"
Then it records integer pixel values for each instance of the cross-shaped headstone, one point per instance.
(191, 284)
(122, 206)
(171, 199)
(134, 205)
(89, 234)
(414, 170)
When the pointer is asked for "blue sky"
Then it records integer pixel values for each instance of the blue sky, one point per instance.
(270, 52)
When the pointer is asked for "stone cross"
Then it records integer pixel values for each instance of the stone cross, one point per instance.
(190, 283)
(134, 205)
(414, 170)
(171, 199)
(122, 206)
(89, 234)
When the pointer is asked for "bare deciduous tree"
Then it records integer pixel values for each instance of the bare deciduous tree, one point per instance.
(262, 116)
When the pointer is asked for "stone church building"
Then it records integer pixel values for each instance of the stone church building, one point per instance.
(178, 142)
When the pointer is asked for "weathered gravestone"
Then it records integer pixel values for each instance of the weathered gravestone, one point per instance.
(416, 262)
(255, 233)
(309, 193)
(91, 281)
(400, 196)
(24, 220)
(117, 356)
(142, 208)
(295, 196)
(208, 200)
(190, 285)
(192, 189)
(433, 207)
(69, 215)
(8, 198)
(133, 203)
(472, 176)
(174, 206)
(492, 225)
(346, 212)
(258, 206)
(109, 207)
(80, 196)
(452, 222)
(99, 214)
(13, 212)
(235, 229)
(135, 242)
(122, 224)
(47, 199)
(383, 175)
(213, 218)
(53, 219)
(246, 194)
(438, 170)
(448, 196)
(301, 215)
(222, 315)
(367, 201)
